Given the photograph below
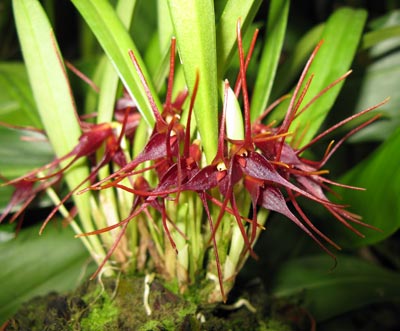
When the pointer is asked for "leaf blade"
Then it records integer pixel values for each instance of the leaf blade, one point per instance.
(194, 26)
(378, 205)
(116, 42)
(332, 61)
(53, 261)
(352, 284)
(226, 29)
(276, 27)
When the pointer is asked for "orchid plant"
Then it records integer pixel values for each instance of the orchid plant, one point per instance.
(183, 188)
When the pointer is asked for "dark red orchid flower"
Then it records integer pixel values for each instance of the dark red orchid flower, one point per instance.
(94, 137)
(163, 144)
(272, 172)
(263, 164)
(269, 163)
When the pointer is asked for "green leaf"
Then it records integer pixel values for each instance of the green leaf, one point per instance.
(54, 261)
(53, 98)
(332, 61)
(276, 28)
(374, 37)
(380, 77)
(194, 25)
(21, 151)
(378, 205)
(18, 156)
(48, 81)
(116, 42)
(16, 100)
(379, 80)
(226, 29)
(110, 79)
(292, 67)
(165, 28)
(47, 75)
(325, 294)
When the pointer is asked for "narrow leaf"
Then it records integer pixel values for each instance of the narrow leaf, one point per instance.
(194, 25)
(374, 37)
(53, 96)
(226, 29)
(332, 61)
(116, 42)
(47, 75)
(276, 28)
(110, 79)
(48, 80)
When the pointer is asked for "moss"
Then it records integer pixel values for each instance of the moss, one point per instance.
(150, 326)
(168, 311)
(53, 312)
(103, 315)
(120, 307)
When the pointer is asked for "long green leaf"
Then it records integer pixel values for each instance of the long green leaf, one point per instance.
(352, 284)
(116, 42)
(47, 76)
(226, 29)
(374, 37)
(48, 81)
(53, 97)
(110, 79)
(289, 71)
(332, 61)
(276, 28)
(194, 25)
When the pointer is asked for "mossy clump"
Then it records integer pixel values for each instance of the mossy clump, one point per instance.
(53, 312)
(112, 305)
(118, 304)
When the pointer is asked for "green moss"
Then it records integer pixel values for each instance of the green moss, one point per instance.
(119, 306)
(150, 326)
(169, 310)
(103, 315)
